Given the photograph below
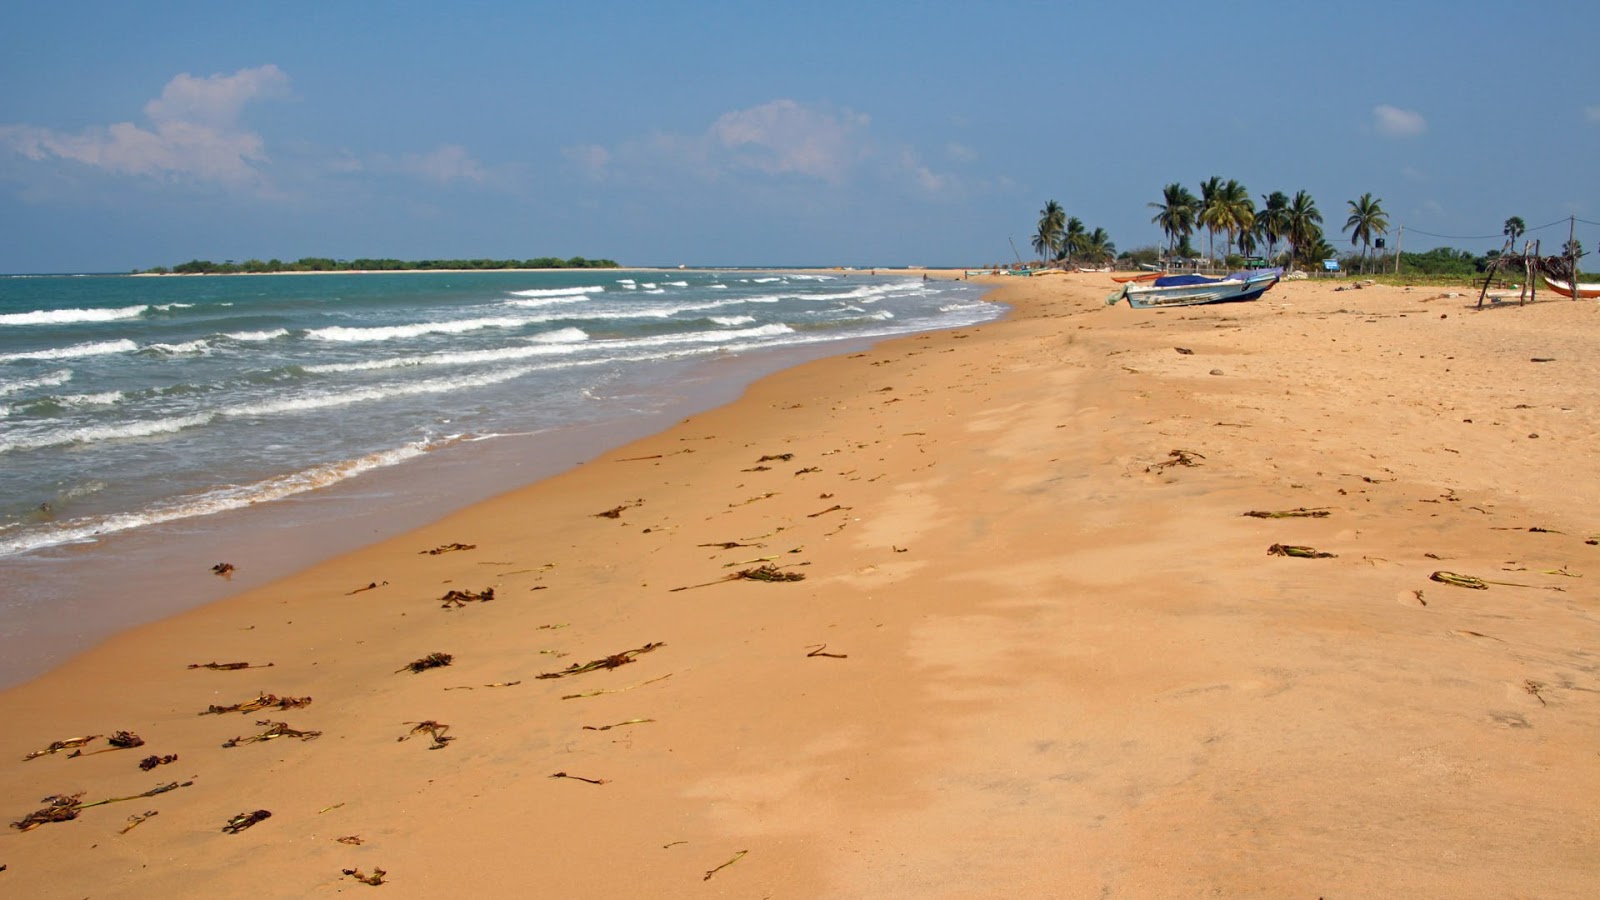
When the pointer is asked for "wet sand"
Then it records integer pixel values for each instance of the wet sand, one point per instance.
(1034, 649)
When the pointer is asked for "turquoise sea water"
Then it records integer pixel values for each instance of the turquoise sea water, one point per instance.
(134, 404)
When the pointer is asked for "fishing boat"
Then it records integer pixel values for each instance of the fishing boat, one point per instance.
(1193, 290)
(1142, 276)
(1564, 288)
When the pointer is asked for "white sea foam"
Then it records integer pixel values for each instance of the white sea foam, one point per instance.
(62, 437)
(733, 320)
(392, 332)
(564, 342)
(71, 316)
(559, 292)
(107, 398)
(201, 346)
(549, 301)
(252, 336)
(96, 348)
(59, 377)
(765, 280)
(649, 285)
(20, 540)
(677, 284)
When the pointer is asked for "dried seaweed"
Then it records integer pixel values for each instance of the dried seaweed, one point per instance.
(431, 661)
(150, 762)
(264, 701)
(369, 586)
(229, 667)
(808, 471)
(57, 808)
(768, 572)
(353, 840)
(1176, 458)
(1320, 512)
(615, 690)
(1534, 687)
(135, 821)
(730, 545)
(496, 684)
(1298, 552)
(225, 569)
(125, 740)
(432, 729)
(834, 508)
(817, 650)
(447, 548)
(617, 725)
(246, 820)
(375, 879)
(66, 807)
(274, 731)
(581, 778)
(455, 599)
(1482, 584)
(616, 511)
(776, 457)
(64, 744)
(604, 662)
(736, 857)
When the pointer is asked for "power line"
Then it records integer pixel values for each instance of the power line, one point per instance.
(1491, 237)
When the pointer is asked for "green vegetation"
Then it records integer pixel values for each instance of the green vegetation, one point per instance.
(324, 264)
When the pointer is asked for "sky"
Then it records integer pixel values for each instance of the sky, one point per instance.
(702, 133)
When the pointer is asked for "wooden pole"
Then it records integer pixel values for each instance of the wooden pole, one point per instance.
(1572, 253)
(1399, 242)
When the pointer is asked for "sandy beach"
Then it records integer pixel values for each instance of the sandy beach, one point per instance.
(1003, 629)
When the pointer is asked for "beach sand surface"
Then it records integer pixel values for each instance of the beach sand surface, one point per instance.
(1033, 646)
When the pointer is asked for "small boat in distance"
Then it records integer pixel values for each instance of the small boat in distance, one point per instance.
(1585, 288)
(1193, 290)
(1142, 276)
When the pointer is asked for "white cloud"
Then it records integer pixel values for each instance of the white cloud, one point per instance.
(784, 139)
(1592, 113)
(1396, 122)
(193, 132)
(960, 152)
(450, 162)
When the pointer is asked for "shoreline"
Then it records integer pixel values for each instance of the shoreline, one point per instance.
(1017, 610)
(279, 535)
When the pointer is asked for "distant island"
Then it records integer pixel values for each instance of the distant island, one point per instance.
(323, 264)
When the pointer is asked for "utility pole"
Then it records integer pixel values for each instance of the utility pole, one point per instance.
(1398, 243)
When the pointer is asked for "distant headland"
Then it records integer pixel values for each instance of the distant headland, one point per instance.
(324, 264)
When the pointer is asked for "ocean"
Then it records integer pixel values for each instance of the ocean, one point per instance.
(141, 415)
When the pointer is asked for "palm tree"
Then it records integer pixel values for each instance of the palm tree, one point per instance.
(1314, 250)
(1210, 212)
(1514, 229)
(1367, 220)
(1272, 221)
(1096, 246)
(1071, 238)
(1047, 241)
(1302, 223)
(1236, 213)
(1176, 214)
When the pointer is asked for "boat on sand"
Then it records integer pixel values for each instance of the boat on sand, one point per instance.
(1193, 290)
(1564, 288)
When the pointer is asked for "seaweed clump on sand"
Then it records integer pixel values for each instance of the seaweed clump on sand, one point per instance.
(604, 662)
(431, 661)
(263, 701)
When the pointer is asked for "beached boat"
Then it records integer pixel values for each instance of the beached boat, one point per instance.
(1585, 288)
(1142, 276)
(1193, 290)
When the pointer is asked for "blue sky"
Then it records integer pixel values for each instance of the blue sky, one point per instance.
(136, 135)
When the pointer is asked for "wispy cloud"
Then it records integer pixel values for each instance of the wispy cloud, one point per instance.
(782, 140)
(449, 163)
(1393, 121)
(193, 132)
(1592, 113)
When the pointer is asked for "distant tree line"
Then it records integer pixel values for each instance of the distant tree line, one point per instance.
(324, 264)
